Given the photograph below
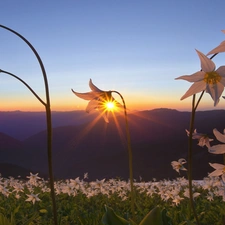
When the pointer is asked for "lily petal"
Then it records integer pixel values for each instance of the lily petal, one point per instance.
(217, 166)
(195, 88)
(215, 90)
(222, 81)
(93, 104)
(216, 173)
(217, 149)
(85, 96)
(182, 161)
(207, 64)
(194, 77)
(221, 71)
(218, 49)
(220, 137)
(93, 87)
(105, 117)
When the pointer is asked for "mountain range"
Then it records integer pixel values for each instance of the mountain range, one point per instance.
(81, 144)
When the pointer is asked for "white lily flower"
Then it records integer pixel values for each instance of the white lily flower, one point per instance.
(220, 148)
(33, 198)
(178, 165)
(208, 79)
(177, 199)
(98, 99)
(203, 138)
(219, 170)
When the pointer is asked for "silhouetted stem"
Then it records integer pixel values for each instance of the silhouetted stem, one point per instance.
(13, 75)
(48, 119)
(196, 106)
(130, 155)
(191, 129)
(190, 157)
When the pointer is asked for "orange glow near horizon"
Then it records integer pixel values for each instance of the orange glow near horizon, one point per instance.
(132, 104)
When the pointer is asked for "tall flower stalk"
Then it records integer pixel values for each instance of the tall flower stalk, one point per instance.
(130, 155)
(190, 157)
(99, 99)
(48, 116)
(212, 81)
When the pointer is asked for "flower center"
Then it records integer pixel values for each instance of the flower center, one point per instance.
(212, 77)
(223, 171)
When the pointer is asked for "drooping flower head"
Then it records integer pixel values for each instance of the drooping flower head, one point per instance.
(203, 139)
(208, 79)
(178, 165)
(98, 99)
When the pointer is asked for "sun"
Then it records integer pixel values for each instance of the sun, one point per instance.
(110, 105)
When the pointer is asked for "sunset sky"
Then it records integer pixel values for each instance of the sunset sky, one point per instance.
(136, 47)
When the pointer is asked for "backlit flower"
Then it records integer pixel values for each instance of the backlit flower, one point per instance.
(98, 99)
(220, 148)
(208, 79)
(178, 165)
(202, 138)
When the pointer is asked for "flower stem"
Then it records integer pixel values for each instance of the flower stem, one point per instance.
(35, 94)
(130, 155)
(48, 118)
(191, 129)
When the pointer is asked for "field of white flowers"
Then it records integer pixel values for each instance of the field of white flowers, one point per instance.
(82, 202)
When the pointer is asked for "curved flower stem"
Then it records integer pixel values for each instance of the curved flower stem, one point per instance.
(48, 118)
(11, 74)
(130, 155)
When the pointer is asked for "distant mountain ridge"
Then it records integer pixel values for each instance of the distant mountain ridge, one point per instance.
(157, 138)
(21, 125)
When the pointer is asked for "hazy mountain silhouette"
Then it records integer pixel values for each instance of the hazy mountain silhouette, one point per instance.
(157, 138)
(22, 125)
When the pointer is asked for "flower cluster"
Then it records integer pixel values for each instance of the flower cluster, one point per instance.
(171, 191)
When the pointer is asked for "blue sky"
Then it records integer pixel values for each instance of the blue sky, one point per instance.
(135, 47)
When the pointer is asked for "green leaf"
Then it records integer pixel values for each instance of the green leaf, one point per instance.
(166, 220)
(110, 218)
(154, 217)
(4, 220)
(30, 220)
(16, 210)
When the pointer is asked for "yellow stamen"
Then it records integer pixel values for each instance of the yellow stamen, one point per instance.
(224, 169)
(212, 77)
